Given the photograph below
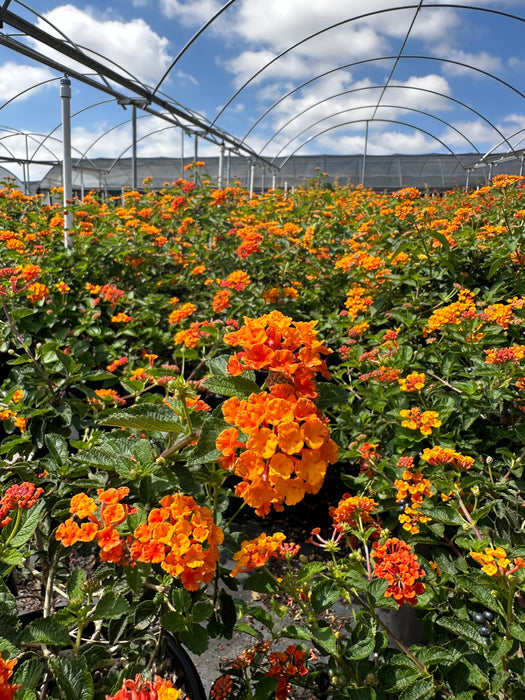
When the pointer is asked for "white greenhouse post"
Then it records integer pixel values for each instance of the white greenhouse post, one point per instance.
(67, 180)
(134, 146)
(252, 173)
(221, 163)
(273, 181)
(363, 167)
(229, 168)
(262, 181)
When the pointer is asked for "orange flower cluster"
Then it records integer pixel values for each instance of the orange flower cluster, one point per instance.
(222, 687)
(121, 318)
(275, 343)
(37, 292)
(424, 421)
(383, 374)
(415, 381)
(395, 562)
(357, 301)
(257, 552)
(452, 314)
(7, 690)
(352, 510)
(237, 280)
(117, 363)
(18, 497)
(444, 455)
(182, 537)
(109, 395)
(287, 450)
(19, 421)
(112, 513)
(190, 337)
(285, 665)
(499, 356)
(221, 301)
(140, 689)
(414, 488)
(177, 315)
(21, 279)
(495, 561)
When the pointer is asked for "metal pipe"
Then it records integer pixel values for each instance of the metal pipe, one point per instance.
(252, 173)
(221, 162)
(134, 146)
(67, 179)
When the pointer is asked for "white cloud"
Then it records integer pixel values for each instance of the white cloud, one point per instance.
(190, 12)
(15, 78)
(482, 60)
(132, 45)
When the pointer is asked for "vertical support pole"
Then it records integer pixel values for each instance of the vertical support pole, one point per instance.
(182, 153)
(27, 178)
(67, 180)
(273, 181)
(262, 181)
(521, 165)
(363, 166)
(221, 164)
(468, 180)
(229, 168)
(133, 146)
(195, 158)
(252, 174)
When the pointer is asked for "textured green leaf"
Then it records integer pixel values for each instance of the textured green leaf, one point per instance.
(29, 525)
(444, 514)
(111, 606)
(363, 640)
(28, 673)
(261, 582)
(248, 629)
(309, 570)
(330, 395)
(479, 592)
(145, 417)
(420, 690)
(173, 621)
(202, 610)
(195, 639)
(325, 639)
(46, 631)
(205, 450)
(73, 677)
(232, 386)
(461, 628)
(324, 595)
(57, 446)
(296, 632)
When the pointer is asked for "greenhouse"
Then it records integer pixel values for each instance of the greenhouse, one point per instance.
(262, 361)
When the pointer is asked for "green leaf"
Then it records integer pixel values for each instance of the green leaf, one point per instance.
(363, 640)
(436, 235)
(173, 621)
(137, 576)
(73, 677)
(436, 656)
(420, 690)
(308, 571)
(12, 557)
(74, 586)
(444, 514)
(205, 450)
(519, 429)
(330, 395)
(324, 595)
(461, 628)
(261, 582)
(29, 525)
(57, 446)
(195, 639)
(325, 639)
(28, 673)
(46, 630)
(479, 592)
(517, 631)
(296, 632)
(145, 417)
(202, 610)
(110, 606)
(248, 629)
(232, 386)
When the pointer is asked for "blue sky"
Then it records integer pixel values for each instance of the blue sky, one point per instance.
(430, 104)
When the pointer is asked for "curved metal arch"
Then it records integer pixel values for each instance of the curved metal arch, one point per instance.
(75, 114)
(488, 153)
(22, 92)
(108, 131)
(387, 58)
(192, 41)
(142, 138)
(28, 134)
(371, 119)
(361, 89)
(355, 19)
(358, 121)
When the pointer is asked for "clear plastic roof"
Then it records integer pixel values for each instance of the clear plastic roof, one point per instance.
(265, 80)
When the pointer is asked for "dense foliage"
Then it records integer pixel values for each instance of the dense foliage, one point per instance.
(193, 353)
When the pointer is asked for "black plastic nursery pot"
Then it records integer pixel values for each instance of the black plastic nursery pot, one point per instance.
(173, 658)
